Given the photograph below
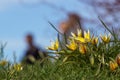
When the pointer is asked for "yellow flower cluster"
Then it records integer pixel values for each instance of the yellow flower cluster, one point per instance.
(82, 39)
(79, 41)
(83, 43)
(17, 67)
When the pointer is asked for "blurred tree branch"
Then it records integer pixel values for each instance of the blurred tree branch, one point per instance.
(108, 10)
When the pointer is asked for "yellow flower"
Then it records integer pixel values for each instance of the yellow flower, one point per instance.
(79, 34)
(3, 62)
(94, 40)
(17, 67)
(80, 39)
(54, 46)
(73, 35)
(106, 38)
(84, 39)
(72, 46)
(83, 49)
(113, 65)
(87, 36)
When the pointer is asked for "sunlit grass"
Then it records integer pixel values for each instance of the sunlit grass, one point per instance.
(85, 57)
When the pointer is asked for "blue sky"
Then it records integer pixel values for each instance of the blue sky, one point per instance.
(17, 19)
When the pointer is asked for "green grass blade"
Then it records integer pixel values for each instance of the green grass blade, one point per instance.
(112, 33)
(55, 27)
(105, 25)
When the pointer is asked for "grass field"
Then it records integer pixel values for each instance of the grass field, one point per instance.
(57, 71)
(85, 57)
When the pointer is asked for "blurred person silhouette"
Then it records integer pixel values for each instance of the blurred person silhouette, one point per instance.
(71, 25)
(33, 53)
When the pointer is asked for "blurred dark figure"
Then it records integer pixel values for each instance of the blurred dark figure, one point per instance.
(68, 26)
(71, 25)
(33, 53)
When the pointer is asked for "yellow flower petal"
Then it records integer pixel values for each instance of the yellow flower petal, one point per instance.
(94, 40)
(106, 38)
(80, 39)
(73, 35)
(72, 46)
(54, 46)
(87, 36)
(79, 33)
